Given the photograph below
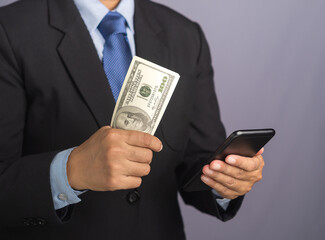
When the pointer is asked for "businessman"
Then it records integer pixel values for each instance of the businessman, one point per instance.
(64, 172)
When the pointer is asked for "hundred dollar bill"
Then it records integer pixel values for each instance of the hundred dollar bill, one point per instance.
(144, 96)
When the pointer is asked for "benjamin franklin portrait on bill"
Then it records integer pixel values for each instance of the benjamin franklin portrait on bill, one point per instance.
(132, 118)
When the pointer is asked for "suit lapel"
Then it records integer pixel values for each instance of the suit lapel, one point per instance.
(81, 60)
(79, 55)
(149, 37)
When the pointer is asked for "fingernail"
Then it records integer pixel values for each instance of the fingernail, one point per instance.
(204, 178)
(208, 171)
(216, 166)
(231, 160)
(161, 148)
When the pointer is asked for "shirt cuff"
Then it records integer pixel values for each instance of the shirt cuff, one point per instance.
(222, 202)
(62, 193)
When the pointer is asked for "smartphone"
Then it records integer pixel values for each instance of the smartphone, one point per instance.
(242, 142)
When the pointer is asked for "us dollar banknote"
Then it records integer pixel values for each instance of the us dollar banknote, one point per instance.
(144, 96)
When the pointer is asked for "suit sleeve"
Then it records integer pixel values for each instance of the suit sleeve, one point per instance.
(25, 195)
(205, 134)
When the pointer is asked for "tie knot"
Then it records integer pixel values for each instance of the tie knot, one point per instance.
(112, 23)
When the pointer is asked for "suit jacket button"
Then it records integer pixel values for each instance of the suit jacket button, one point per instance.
(26, 222)
(133, 197)
(33, 222)
(41, 221)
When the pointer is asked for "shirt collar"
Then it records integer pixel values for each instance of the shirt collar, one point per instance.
(93, 11)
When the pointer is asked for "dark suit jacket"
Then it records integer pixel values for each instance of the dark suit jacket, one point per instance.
(54, 95)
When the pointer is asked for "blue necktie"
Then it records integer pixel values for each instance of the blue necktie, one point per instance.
(117, 54)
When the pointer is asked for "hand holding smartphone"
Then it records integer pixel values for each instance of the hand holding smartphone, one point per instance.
(242, 142)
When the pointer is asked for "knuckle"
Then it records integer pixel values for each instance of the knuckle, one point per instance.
(231, 196)
(148, 156)
(224, 190)
(242, 190)
(256, 178)
(253, 165)
(146, 170)
(246, 189)
(240, 173)
(262, 164)
(112, 134)
(259, 162)
(112, 152)
(223, 167)
(156, 141)
(109, 165)
(112, 168)
(259, 177)
(147, 139)
(104, 129)
(231, 182)
(137, 182)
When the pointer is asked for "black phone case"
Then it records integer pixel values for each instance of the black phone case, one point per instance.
(242, 142)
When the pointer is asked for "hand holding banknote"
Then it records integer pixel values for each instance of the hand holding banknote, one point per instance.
(112, 159)
(116, 157)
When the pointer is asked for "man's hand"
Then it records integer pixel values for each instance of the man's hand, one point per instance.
(236, 176)
(112, 159)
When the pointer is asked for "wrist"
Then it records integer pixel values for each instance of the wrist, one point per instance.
(73, 170)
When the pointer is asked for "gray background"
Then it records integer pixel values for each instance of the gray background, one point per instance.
(269, 59)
